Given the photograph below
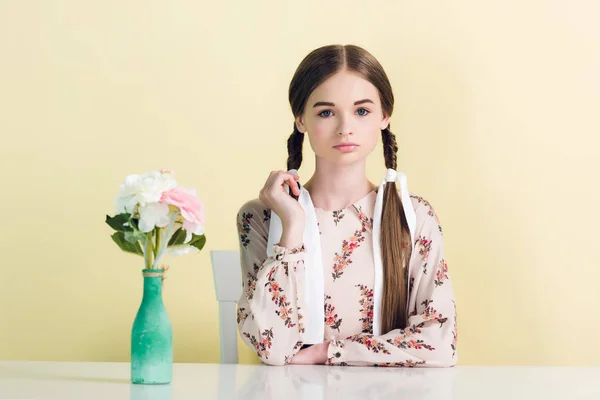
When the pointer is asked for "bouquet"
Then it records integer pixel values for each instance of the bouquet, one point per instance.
(155, 218)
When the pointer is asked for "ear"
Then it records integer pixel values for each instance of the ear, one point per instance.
(385, 122)
(300, 124)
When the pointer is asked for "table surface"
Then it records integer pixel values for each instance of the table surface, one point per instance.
(110, 380)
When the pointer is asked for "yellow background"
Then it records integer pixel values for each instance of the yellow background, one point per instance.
(496, 116)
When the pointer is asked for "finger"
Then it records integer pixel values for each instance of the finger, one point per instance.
(290, 180)
(286, 175)
(294, 185)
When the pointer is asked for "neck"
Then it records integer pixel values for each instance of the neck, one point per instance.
(333, 187)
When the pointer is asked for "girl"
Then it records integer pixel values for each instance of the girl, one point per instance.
(340, 271)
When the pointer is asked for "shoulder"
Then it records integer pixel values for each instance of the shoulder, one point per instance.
(420, 204)
(427, 218)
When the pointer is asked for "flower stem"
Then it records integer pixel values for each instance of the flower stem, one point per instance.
(157, 247)
(148, 251)
(165, 237)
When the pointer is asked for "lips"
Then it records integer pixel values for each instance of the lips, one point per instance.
(346, 147)
(345, 144)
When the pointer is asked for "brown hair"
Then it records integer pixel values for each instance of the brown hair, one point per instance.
(314, 69)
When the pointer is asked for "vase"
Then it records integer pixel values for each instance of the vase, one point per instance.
(152, 335)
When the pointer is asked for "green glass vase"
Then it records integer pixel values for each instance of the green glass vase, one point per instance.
(152, 335)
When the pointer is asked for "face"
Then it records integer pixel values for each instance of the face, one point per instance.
(344, 108)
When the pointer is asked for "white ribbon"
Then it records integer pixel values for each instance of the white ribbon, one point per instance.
(314, 286)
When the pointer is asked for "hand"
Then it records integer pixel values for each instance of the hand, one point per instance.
(275, 196)
(315, 354)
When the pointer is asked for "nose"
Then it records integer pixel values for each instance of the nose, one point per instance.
(344, 127)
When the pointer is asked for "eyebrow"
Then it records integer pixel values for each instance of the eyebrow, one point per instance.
(325, 103)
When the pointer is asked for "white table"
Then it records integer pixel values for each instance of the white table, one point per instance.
(89, 380)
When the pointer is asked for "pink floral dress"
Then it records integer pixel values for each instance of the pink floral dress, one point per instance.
(270, 310)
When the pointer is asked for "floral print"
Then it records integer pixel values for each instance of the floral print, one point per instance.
(424, 246)
(243, 227)
(366, 221)
(341, 261)
(251, 284)
(401, 342)
(270, 309)
(266, 215)
(431, 314)
(370, 342)
(442, 273)
(420, 200)
(280, 299)
(366, 311)
(300, 316)
(241, 315)
(337, 216)
(331, 318)
(262, 347)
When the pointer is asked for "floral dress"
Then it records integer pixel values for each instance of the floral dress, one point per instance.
(270, 308)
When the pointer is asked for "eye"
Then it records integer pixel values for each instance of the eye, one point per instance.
(363, 109)
(324, 111)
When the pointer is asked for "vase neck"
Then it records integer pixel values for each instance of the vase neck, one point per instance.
(152, 283)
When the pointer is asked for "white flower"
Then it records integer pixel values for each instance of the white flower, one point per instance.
(140, 190)
(153, 214)
(179, 250)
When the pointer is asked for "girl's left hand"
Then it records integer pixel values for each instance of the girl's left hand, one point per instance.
(315, 354)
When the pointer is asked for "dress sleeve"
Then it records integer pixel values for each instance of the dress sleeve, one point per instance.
(269, 315)
(430, 337)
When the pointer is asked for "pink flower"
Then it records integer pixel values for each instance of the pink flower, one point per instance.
(191, 209)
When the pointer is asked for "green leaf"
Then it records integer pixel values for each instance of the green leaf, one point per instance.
(119, 239)
(117, 222)
(198, 241)
(177, 238)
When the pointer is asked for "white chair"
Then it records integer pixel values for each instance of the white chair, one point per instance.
(227, 274)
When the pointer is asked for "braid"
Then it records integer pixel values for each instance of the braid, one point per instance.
(294, 145)
(389, 148)
(395, 237)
